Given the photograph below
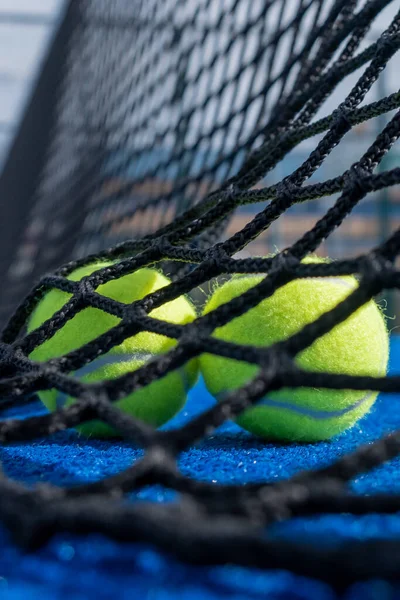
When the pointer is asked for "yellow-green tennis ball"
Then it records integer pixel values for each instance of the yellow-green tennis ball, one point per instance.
(160, 400)
(357, 346)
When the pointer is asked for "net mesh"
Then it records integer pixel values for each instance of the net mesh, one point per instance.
(170, 116)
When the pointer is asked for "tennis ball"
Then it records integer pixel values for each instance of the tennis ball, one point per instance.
(160, 400)
(357, 346)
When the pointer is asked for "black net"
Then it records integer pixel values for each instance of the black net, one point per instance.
(169, 119)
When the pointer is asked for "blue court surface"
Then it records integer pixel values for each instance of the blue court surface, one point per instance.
(95, 567)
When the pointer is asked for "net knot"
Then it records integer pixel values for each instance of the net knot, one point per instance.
(287, 189)
(85, 288)
(285, 261)
(162, 246)
(189, 340)
(134, 313)
(216, 255)
(340, 118)
(374, 270)
(6, 353)
(384, 43)
(356, 177)
(49, 370)
(231, 191)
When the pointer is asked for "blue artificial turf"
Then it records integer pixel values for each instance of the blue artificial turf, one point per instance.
(96, 567)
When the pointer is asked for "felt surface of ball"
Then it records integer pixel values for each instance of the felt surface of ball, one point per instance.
(357, 346)
(160, 400)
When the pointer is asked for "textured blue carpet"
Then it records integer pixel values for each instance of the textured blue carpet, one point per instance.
(95, 567)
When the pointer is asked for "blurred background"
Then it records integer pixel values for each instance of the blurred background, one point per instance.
(27, 28)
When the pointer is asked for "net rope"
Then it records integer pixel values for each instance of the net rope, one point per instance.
(117, 102)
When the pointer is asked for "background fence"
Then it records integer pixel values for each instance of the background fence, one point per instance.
(26, 32)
